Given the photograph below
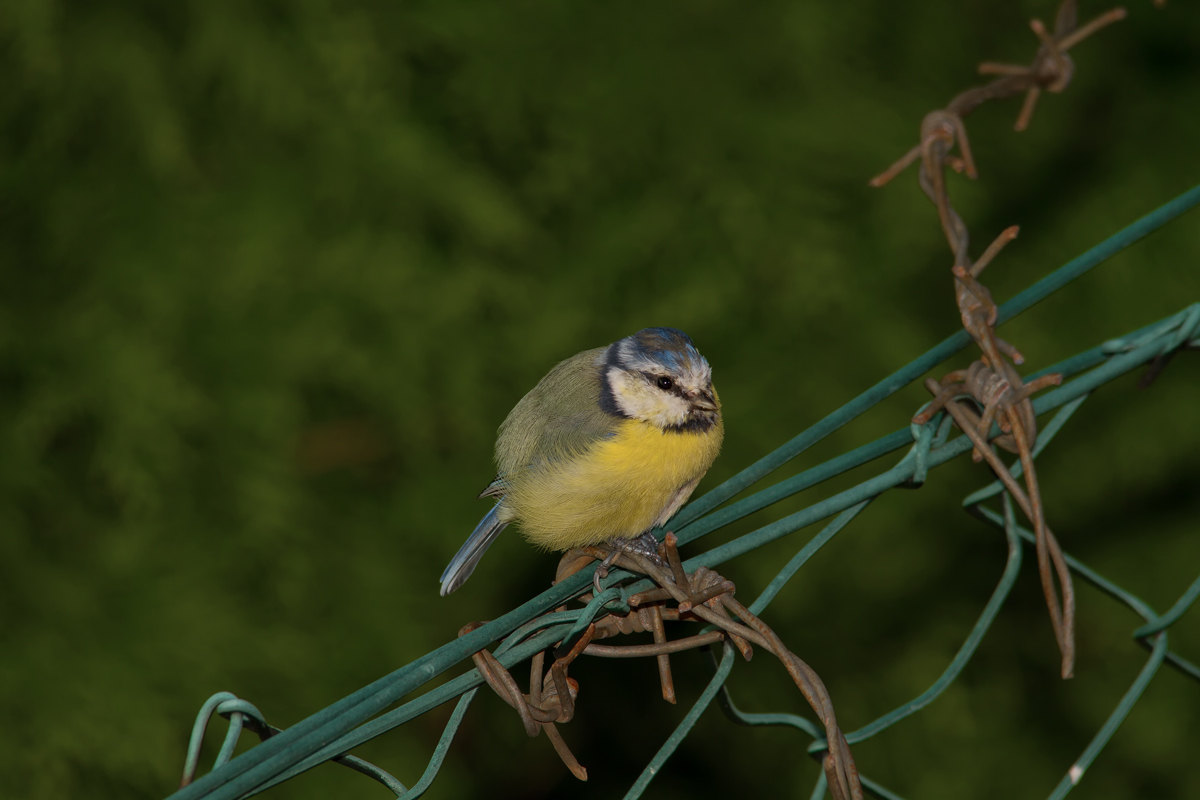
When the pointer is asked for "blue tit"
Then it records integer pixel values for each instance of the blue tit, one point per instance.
(607, 446)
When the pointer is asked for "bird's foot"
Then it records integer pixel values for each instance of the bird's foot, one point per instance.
(602, 568)
(645, 546)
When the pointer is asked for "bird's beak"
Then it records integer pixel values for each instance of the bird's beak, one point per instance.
(704, 401)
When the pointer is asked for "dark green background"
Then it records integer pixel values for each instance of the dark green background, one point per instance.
(272, 274)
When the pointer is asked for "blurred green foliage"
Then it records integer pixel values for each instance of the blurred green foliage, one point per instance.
(274, 272)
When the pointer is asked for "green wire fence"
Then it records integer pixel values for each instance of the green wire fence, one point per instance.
(334, 731)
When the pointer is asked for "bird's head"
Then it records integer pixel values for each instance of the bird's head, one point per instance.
(658, 376)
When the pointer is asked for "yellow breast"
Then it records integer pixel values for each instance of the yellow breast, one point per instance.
(620, 487)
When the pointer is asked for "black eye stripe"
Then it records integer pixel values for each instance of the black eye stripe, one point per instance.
(674, 388)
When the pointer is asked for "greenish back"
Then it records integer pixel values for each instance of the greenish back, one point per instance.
(560, 417)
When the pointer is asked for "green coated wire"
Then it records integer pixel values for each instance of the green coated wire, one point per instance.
(239, 708)
(555, 627)
(1012, 568)
(771, 719)
(260, 764)
(373, 772)
(1181, 605)
(684, 728)
(279, 754)
(818, 792)
(192, 761)
(1075, 773)
(443, 746)
(231, 738)
(877, 790)
(805, 553)
(1138, 605)
(426, 702)
(238, 711)
(794, 485)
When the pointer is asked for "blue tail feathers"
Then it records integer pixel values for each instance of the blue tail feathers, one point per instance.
(467, 557)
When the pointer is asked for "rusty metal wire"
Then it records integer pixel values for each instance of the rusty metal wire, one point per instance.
(995, 385)
(700, 596)
(1051, 70)
(989, 401)
(993, 382)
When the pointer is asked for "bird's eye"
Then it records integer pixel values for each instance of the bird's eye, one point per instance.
(665, 383)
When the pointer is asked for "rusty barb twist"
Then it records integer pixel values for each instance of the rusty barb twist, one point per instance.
(1051, 71)
(678, 596)
(991, 391)
(993, 385)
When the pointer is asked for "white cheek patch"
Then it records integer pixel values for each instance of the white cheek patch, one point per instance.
(640, 400)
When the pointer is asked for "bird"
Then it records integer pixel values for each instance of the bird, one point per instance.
(608, 446)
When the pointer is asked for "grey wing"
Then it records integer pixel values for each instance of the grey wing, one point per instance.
(560, 417)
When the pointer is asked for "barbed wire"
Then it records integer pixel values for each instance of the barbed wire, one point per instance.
(992, 383)
(701, 595)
